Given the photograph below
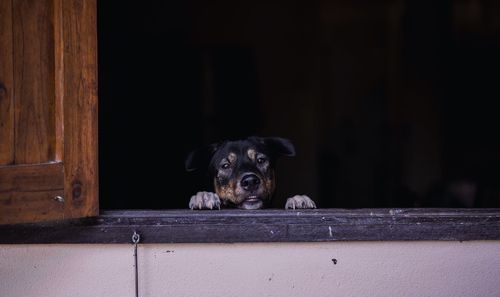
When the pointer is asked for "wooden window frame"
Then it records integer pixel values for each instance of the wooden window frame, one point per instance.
(271, 225)
(73, 177)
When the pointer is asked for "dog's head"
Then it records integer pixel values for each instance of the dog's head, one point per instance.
(242, 171)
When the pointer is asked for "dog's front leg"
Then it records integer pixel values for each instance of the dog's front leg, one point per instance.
(299, 202)
(204, 200)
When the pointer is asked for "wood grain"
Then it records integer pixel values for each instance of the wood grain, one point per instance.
(6, 85)
(54, 54)
(59, 80)
(79, 23)
(270, 225)
(41, 206)
(27, 193)
(33, 33)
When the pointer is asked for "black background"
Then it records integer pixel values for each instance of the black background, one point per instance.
(358, 86)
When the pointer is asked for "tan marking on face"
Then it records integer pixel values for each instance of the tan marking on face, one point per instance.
(252, 154)
(226, 192)
(269, 184)
(232, 158)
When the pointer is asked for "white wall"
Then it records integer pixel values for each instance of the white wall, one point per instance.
(289, 269)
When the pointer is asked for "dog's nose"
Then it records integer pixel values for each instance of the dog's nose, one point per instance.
(250, 182)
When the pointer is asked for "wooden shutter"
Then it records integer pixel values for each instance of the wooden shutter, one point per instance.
(48, 110)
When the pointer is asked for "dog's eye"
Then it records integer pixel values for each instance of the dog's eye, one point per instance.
(261, 160)
(225, 166)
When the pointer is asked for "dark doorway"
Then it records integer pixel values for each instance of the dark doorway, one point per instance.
(389, 104)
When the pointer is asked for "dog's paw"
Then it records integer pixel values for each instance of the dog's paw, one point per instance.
(299, 201)
(204, 200)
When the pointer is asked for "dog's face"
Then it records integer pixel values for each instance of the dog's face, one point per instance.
(242, 171)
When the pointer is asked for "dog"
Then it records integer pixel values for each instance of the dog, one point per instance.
(242, 173)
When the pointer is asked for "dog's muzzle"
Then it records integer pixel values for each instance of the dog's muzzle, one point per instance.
(251, 183)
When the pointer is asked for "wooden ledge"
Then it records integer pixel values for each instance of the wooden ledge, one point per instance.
(228, 226)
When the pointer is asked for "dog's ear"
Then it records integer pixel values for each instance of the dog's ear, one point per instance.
(278, 146)
(200, 158)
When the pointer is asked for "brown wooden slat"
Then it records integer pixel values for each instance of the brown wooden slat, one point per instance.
(59, 79)
(27, 193)
(31, 178)
(6, 85)
(34, 83)
(41, 206)
(79, 35)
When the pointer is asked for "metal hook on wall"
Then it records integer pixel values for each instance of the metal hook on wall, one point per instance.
(136, 238)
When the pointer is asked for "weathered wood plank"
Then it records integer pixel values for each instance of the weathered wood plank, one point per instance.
(54, 78)
(31, 178)
(22, 207)
(59, 80)
(79, 36)
(33, 28)
(6, 84)
(27, 193)
(186, 226)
